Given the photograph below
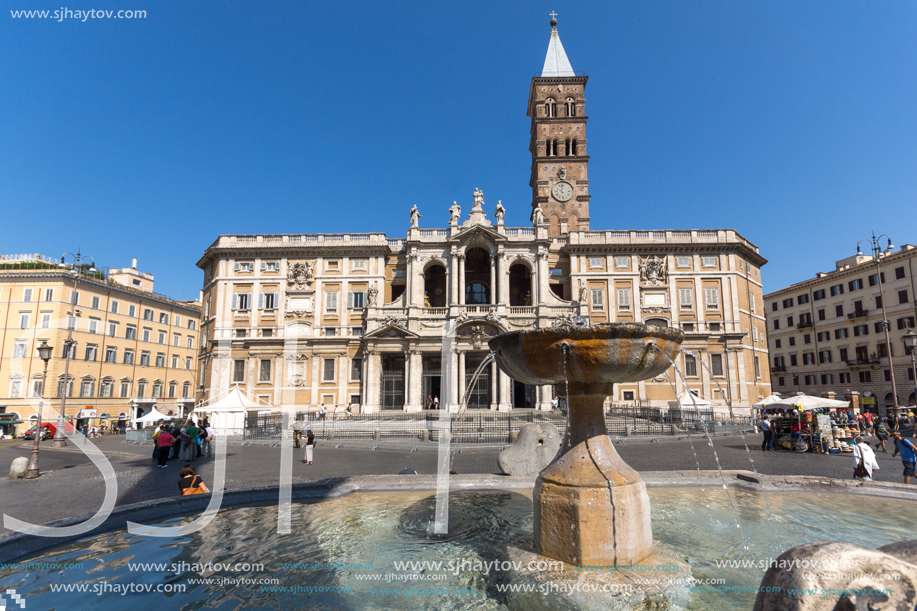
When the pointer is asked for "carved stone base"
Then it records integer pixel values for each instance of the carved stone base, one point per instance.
(593, 526)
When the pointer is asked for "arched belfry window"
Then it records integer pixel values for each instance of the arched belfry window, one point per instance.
(550, 108)
(573, 145)
(570, 107)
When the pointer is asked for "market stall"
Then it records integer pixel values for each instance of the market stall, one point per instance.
(809, 424)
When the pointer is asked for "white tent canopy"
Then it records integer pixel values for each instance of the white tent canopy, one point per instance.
(689, 401)
(806, 402)
(227, 416)
(153, 416)
(771, 400)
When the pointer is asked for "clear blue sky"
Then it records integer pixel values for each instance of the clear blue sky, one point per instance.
(792, 122)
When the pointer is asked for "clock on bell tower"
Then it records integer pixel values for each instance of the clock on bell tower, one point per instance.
(557, 106)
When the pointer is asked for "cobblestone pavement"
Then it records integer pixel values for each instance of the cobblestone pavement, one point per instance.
(71, 485)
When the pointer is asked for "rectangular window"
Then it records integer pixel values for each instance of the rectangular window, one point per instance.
(595, 262)
(774, 306)
(188, 363)
(776, 324)
(268, 301)
(163, 318)
(238, 371)
(807, 338)
(598, 299)
(45, 320)
(328, 370)
(824, 336)
(330, 331)
(899, 273)
(86, 388)
(244, 266)
(174, 361)
(879, 327)
(91, 352)
(712, 298)
(708, 261)
(331, 301)
(74, 298)
(623, 299)
(716, 364)
(902, 296)
(141, 389)
(865, 377)
(190, 342)
(855, 285)
(690, 366)
(808, 358)
(270, 266)
(821, 314)
(130, 332)
(24, 320)
(793, 360)
(843, 378)
(860, 330)
(264, 371)
(827, 378)
(356, 370)
(128, 357)
(111, 355)
(191, 325)
(19, 350)
(69, 354)
(878, 301)
(819, 294)
(27, 295)
(802, 299)
(682, 262)
(837, 289)
(176, 339)
(906, 323)
(112, 329)
(751, 302)
(356, 299)
(788, 303)
(38, 388)
(49, 294)
(147, 314)
(131, 311)
(792, 341)
(94, 325)
(332, 265)
(358, 265)
(622, 262)
(839, 310)
(162, 337)
(777, 343)
(95, 302)
(241, 301)
(789, 321)
(114, 307)
(685, 299)
(160, 359)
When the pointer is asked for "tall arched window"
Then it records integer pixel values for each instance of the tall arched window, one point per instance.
(477, 294)
(570, 107)
(573, 145)
(550, 108)
(567, 150)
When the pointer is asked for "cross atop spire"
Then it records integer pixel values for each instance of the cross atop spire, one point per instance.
(556, 62)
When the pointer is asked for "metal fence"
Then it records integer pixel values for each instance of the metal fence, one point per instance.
(477, 430)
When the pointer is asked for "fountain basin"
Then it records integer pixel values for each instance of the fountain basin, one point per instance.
(590, 506)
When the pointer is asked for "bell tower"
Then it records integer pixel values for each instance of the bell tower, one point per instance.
(557, 106)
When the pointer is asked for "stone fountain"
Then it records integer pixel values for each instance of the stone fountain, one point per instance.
(590, 507)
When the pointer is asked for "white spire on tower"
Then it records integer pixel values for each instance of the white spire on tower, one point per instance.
(556, 62)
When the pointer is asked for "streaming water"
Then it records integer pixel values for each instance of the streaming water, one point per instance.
(463, 402)
(716, 457)
(741, 428)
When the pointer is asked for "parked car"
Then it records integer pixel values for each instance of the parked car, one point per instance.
(51, 430)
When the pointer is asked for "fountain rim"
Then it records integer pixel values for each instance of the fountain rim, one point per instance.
(600, 332)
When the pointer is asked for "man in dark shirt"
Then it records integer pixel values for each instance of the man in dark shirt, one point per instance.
(881, 434)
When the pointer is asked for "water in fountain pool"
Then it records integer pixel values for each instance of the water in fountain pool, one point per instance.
(352, 544)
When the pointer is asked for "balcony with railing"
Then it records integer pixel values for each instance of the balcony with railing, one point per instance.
(302, 240)
(858, 314)
(666, 236)
(804, 324)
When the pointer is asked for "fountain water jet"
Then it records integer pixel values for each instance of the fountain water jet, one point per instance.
(590, 507)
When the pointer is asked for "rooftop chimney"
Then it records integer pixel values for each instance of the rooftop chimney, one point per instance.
(134, 263)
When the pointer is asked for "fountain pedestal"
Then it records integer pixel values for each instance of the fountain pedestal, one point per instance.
(590, 507)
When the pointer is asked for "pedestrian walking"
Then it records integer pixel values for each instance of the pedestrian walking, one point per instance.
(882, 433)
(156, 435)
(429, 403)
(310, 445)
(335, 415)
(349, 411)
(206, 448)
(554, 403)
(193, 439)
(436, 402)
(908, 454)
(185, 440)
(765, 426)
(191, 482)
(322, 412)
(864, 460)
(165, 443)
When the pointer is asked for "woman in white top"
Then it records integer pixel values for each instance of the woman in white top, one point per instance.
(862, 450)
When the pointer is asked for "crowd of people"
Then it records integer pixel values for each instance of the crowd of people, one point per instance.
(186, 442)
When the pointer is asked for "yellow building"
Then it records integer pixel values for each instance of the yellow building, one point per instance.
(309, 319)
(131, 349)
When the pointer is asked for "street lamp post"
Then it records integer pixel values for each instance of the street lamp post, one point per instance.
(60, 440)
(910, 342)
(32, 471)
(877, 252)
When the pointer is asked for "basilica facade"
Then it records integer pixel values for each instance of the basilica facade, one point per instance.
(384, 323)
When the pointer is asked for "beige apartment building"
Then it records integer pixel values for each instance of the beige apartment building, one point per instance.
(131, 350)
(826, 334)
(386, 323)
